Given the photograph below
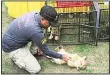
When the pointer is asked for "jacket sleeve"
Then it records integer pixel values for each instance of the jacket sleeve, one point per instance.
(40, 41)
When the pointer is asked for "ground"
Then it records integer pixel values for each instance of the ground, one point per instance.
(98, 56)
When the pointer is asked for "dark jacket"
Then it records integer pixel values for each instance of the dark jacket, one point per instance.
(24, 29)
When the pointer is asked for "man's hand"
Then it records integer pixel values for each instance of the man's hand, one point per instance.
(65, 57)
(39, 52)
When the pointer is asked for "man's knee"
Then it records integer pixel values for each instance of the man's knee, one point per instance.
(35, 71)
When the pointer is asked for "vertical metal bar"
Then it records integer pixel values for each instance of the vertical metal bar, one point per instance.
(97, 18)
(79, 28)
(99, 24)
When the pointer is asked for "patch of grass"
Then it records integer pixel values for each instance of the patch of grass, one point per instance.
(82, 48)
(49, 67)
(97, 56)
(6, 19)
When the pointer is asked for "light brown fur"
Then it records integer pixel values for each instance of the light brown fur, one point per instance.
(75, 61)
(54, 33)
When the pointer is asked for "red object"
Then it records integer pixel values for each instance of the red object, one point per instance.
(39, 52)
(64, 4)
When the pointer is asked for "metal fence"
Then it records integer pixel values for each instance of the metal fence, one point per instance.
(76, 26)
(103, 33)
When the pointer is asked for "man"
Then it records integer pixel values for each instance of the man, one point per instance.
(26, 28)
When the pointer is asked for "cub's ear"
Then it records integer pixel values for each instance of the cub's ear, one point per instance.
(84, 57)
(60, 47)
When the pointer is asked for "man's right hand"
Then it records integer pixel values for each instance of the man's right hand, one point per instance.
(65, 57)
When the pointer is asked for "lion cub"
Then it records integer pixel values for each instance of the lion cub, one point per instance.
(75, 61)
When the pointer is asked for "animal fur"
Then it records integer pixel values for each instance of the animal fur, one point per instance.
(54, 33)
(75, 61)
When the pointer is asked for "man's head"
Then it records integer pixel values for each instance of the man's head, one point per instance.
(48, 16)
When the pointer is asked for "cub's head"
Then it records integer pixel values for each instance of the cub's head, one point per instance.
(81, 63)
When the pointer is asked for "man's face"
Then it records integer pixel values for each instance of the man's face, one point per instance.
(44, 22)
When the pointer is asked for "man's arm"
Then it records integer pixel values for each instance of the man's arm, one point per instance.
(40, 41)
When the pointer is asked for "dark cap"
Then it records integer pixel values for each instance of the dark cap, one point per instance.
(49, 13)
